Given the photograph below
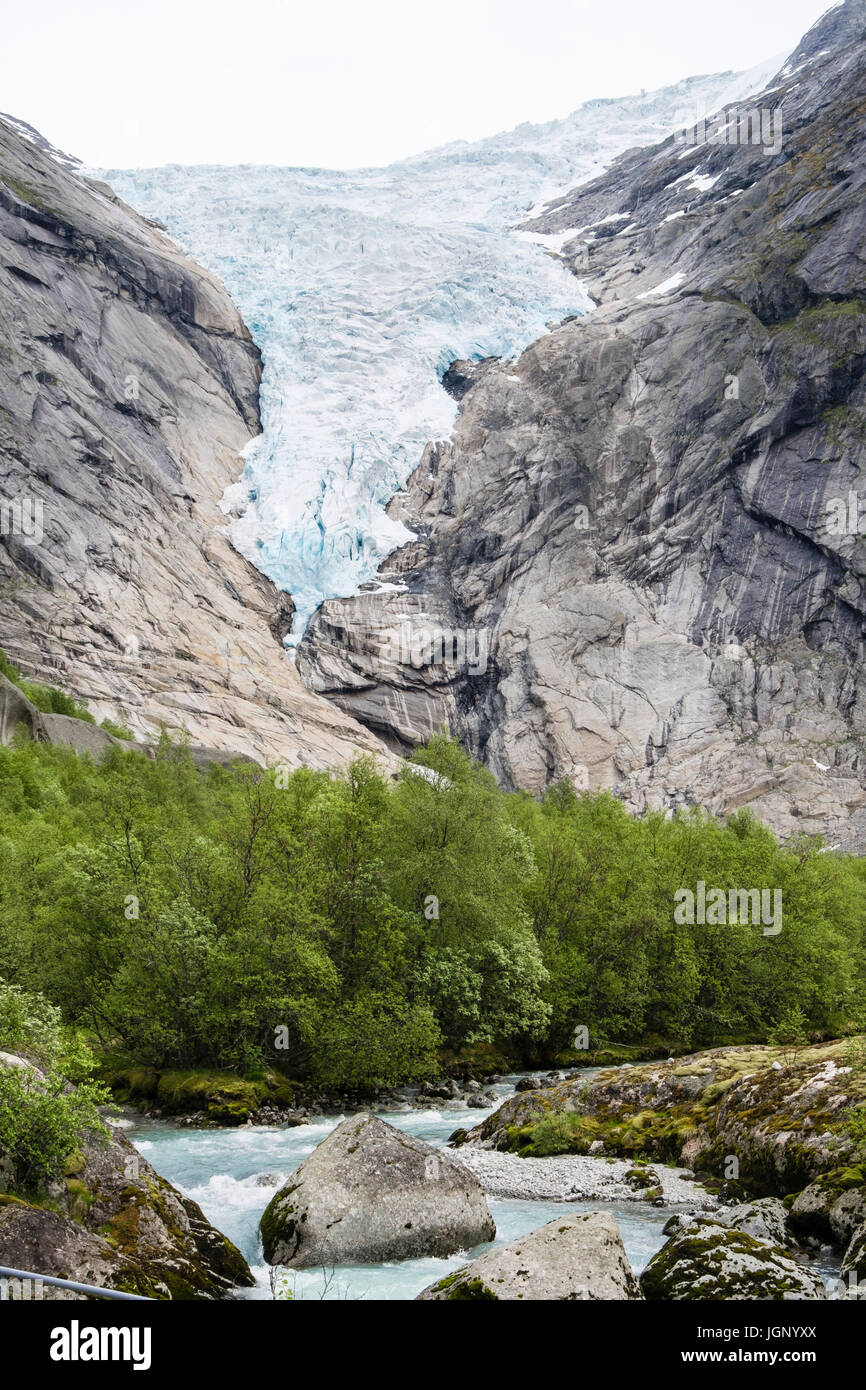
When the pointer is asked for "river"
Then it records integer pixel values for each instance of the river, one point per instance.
(233, 1173)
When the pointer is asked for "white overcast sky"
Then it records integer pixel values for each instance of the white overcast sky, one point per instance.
(343, 83)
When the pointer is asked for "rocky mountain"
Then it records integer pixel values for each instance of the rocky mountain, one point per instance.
(639, 561)
(128, 387)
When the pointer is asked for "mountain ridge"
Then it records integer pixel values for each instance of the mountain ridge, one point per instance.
(698, 641)
(128, 387)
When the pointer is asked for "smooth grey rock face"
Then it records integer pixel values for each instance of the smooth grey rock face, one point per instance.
(644, 524)
(370, 1193)
(128, 387)
(17, 713)
(577, 1257)
(706, 1260)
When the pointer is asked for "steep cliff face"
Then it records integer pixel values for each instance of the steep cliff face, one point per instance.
(643, 533)
(128, 387)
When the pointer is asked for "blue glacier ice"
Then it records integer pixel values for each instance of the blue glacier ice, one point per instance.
(361, 287)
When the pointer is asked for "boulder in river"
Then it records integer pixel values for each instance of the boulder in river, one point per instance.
(579, 1256)
(705, 1260)
(371, 1193)
(765, 1219)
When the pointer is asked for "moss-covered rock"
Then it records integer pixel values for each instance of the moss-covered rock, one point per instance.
(833, 1206)
(782, 1125)
(137, 1221)
(223, 1096)
(704, 1260)
(35, 1238)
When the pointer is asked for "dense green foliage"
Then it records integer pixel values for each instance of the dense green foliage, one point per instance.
(346, 927)
(42, 1118)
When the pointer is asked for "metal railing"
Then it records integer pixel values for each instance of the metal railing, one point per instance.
(92, 1289)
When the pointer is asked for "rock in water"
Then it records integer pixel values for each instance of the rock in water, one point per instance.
(576, 1257)
(369, 1193)
(764, 1219)
(709, 1261)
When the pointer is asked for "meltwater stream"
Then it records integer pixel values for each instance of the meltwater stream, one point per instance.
(234, 1173)
(362, 287)
(222, 1169)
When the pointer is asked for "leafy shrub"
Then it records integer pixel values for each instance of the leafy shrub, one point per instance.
(374, 1042)
(789, 1034)
(117, 730)
(40, 1124)
(42, 1116)
(555, 1134)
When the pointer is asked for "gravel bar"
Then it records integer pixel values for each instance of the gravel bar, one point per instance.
(573, 1177)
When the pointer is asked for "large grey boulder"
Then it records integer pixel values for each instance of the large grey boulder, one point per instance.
(764, 1219)
(705, 1260)
(577, 1257)
(370, 1193)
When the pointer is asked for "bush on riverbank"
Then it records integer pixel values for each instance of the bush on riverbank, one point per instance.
(352, 931)
(42, 1114)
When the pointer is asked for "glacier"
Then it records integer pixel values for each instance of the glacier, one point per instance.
(361, 288)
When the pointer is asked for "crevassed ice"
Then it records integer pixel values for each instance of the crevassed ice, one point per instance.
(360, 288)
